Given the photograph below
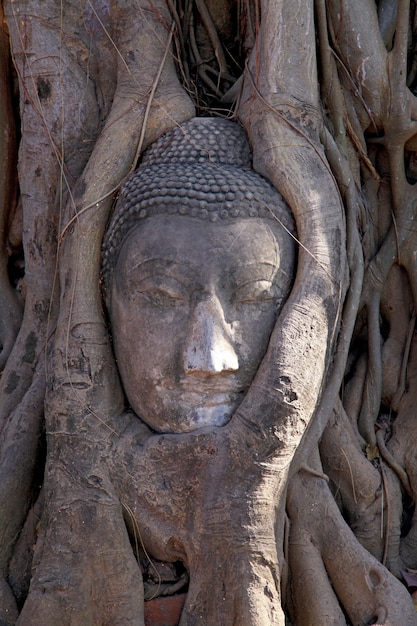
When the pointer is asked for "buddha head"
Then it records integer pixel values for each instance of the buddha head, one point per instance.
(198, 261)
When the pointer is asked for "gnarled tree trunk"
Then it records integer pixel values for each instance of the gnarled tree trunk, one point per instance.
(301, 509)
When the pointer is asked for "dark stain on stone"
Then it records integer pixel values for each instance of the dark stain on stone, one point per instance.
(30, 348)
(44, 88)
(12, 382)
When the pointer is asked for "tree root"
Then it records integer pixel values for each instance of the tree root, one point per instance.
(359, 486)
(363, 586)
(10, 304)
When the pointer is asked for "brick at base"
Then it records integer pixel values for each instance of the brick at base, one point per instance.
(164, 611)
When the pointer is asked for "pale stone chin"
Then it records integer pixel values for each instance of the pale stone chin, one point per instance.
(218, 415)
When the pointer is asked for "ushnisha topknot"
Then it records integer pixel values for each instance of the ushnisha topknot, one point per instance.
(201, 169)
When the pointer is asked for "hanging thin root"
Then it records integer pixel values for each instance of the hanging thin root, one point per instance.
(403, 375)
(314, 472)
(392, 463)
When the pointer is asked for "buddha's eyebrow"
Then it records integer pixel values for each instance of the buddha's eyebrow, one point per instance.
(252, 270)
(157, 264)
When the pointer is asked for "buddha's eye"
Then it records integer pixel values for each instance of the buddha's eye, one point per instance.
(256, 291)
(161, 290)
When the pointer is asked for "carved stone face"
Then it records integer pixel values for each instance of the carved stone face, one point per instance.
(192, 308)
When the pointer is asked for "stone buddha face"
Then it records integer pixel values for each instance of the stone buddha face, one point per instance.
(192, 307)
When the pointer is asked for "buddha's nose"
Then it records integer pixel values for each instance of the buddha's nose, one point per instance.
(208, 348)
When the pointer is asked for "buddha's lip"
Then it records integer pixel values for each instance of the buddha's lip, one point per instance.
(220, 399)
(211, 389)
(208, 397)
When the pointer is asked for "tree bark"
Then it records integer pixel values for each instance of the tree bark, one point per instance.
(301, 509)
